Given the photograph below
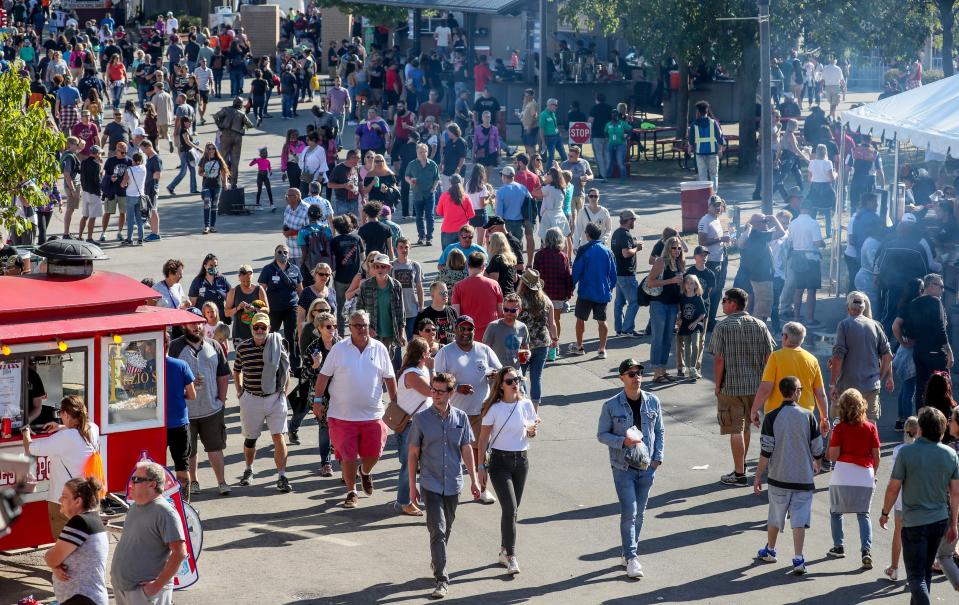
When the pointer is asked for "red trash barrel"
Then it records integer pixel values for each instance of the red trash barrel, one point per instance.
(694, 198)
(674, 80)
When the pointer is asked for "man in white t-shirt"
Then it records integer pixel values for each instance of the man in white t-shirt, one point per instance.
(803, 266)
(834, 82)
(711, 237)
(204, 77)
(358, 367)
(471, 363)
(442, 35)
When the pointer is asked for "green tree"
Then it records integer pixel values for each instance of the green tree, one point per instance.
(28, 149)
(946, 14)
(378, 14)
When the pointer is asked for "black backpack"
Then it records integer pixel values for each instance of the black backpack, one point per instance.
(900, 262)
(317, 248)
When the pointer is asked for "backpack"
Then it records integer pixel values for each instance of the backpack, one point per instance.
(317, 248)
(900, 262)
(76, 59)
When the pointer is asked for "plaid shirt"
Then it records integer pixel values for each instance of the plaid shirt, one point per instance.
(295, 219)
(554, 268)
(366, 301)
(744, 342)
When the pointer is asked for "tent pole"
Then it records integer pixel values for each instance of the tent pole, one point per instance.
(837, 252)
(893, 205)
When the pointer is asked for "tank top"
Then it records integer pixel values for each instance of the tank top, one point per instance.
(673, 292)
(241, 329)
(409, 399)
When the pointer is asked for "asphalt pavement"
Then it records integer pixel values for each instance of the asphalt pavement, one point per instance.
(699, 537)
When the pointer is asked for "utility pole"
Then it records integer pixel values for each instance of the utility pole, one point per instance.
(766, 123)
(541, 84)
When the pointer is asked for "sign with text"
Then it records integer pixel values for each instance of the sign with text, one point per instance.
(579, 133)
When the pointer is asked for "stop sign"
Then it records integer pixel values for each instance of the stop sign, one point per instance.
(579, 133)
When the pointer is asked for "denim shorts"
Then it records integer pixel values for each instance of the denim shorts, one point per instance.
(798, 503)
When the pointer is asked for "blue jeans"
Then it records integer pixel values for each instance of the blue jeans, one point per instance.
(865, 530)
(534, 370)
(236, 82)
(907, 390)
(287, 104)
(133, 216)
(554, 143)
(142, 94)
(448, 238)
(617, 157)
(423, 210)
(663, 318)
(340, 125)
(402, 451)
(919, 546)
(632, 489)
(116, 90)
(626, 287)
(211, 199)
(186, 166)
(599, 151)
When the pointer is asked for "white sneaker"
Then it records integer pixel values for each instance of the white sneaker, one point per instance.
(503, 559)
(634, 568)
(512, 567)
(487, 497)
(622, 562)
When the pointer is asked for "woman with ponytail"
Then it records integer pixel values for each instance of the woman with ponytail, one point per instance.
(79, 558)
(68, 450)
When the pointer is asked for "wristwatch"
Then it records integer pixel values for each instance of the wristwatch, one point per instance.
(481, 466)
(884, 514)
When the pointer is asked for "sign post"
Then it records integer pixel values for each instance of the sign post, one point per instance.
(579, 133)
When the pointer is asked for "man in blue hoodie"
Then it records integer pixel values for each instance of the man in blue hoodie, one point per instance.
(594, 275)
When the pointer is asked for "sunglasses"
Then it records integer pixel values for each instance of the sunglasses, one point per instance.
(594, 197)
(329, 327)
(510, 309)
(633, 374)
(136, 479)
(675, 248)
(466, 237)
(465, 328)
(360, 326)
(322, 274)
(259, 329)
(511, 381)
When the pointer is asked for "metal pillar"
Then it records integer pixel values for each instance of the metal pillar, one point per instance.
(766, 126)
(541, 80)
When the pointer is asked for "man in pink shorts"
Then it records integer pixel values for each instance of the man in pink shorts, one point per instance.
(358, 367)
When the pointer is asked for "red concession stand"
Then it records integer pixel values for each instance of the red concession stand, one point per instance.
(69, 330)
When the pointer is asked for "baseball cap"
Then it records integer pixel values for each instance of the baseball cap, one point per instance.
(465, 319)
(95, 150)
(261, 318)
(508, 171)
(794, 192)
(909, 217)
(626, 215)
(494, 221)
(195, 311)
(245, 269)
(139, 132)
(627, 363)
(700, 250)
(381, 259)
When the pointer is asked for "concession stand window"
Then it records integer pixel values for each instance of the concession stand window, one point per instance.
(132, 370)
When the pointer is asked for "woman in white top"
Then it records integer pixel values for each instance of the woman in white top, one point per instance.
(508, 423)
(480, 192)
(592, 213)
(67, 449)
(413, 396)
(821, 194)
(551, 211)
(134, 180)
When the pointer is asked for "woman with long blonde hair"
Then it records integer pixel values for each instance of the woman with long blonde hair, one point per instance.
(666, 275)
(502, 263)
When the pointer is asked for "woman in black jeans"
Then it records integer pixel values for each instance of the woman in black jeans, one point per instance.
(509, 420)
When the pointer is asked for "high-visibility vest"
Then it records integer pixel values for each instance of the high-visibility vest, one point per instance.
(706, 141)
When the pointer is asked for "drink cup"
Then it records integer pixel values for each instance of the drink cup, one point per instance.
(523, 355)
(6, 427)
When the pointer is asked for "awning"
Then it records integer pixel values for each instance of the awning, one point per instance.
(490, 7)
(145, 318)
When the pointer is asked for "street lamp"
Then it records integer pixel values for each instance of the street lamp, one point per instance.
(766, 123)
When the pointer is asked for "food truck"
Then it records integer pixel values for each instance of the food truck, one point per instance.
(70, 330)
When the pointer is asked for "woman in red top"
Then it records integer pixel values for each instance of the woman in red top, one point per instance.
(117, 75)
(456, 210)
(854, 447)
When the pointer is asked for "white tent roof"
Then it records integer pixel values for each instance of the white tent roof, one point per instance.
(927, 117)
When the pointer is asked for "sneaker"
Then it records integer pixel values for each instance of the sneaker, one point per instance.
(103, 238)
(837, 552)
(440, 591)
(512, 566)
(891, 574)
(767, 554)
(153, 237)
(825, 466)
(866, 559)
(120, 237)
(245, 479)
(634, 569)
(194, 487)
(633, 334)
(799, 565)
(367, 481)
(293, 438)
(734, 479)
(575, 349)
(169, 190)
(126, 242)
(601, 355)
(429, 242)
(503, 559)
(420, 242)
(224, 489)
(350, 501)
(206, 230)
(283, 485)
(487, 497)
(90, 240)
(326, 471)
(900, 426)
(682, 373)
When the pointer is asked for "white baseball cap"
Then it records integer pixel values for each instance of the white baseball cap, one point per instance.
(139, 132)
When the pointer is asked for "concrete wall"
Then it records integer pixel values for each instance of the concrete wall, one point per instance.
(262, 25)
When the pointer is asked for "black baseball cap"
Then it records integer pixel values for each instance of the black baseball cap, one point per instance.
(627, 363)
(493, 221)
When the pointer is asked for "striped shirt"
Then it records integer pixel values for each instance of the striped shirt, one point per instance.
(249, 362)
(87, 563)
(744, 342)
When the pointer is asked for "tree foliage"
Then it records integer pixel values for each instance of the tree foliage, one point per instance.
(378, 14)
(28, 150)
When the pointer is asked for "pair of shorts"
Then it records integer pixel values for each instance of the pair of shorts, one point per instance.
(91, 205)
(178, 440)
(255, 410)
(797, 503)
(354, 439)
(832, 93)
(806, 273)
(579, 201)
(73, 199)
(762, 299)
(211, 431)
(585, 307)
(531, 137)
(111, 204)
(150, 201)
(873, 407)
(732, 413)
(205, 96)
(479, 219)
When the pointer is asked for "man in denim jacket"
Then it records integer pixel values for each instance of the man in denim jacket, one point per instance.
(632, 407)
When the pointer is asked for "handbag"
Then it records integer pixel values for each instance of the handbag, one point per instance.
(650, 291)
(315, 82)
(396, 419)
(643, 299)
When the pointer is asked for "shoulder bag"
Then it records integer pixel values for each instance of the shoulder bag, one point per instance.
(650, 291)
(396, 419)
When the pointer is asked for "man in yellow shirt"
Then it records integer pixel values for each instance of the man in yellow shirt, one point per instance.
(792, 360)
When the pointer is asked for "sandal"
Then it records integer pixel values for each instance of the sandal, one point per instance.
(412, 511)
(662, 379)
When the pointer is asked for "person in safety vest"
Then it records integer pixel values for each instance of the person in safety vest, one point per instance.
(706, 142)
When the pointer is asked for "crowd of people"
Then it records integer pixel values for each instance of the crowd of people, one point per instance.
(340, 313)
